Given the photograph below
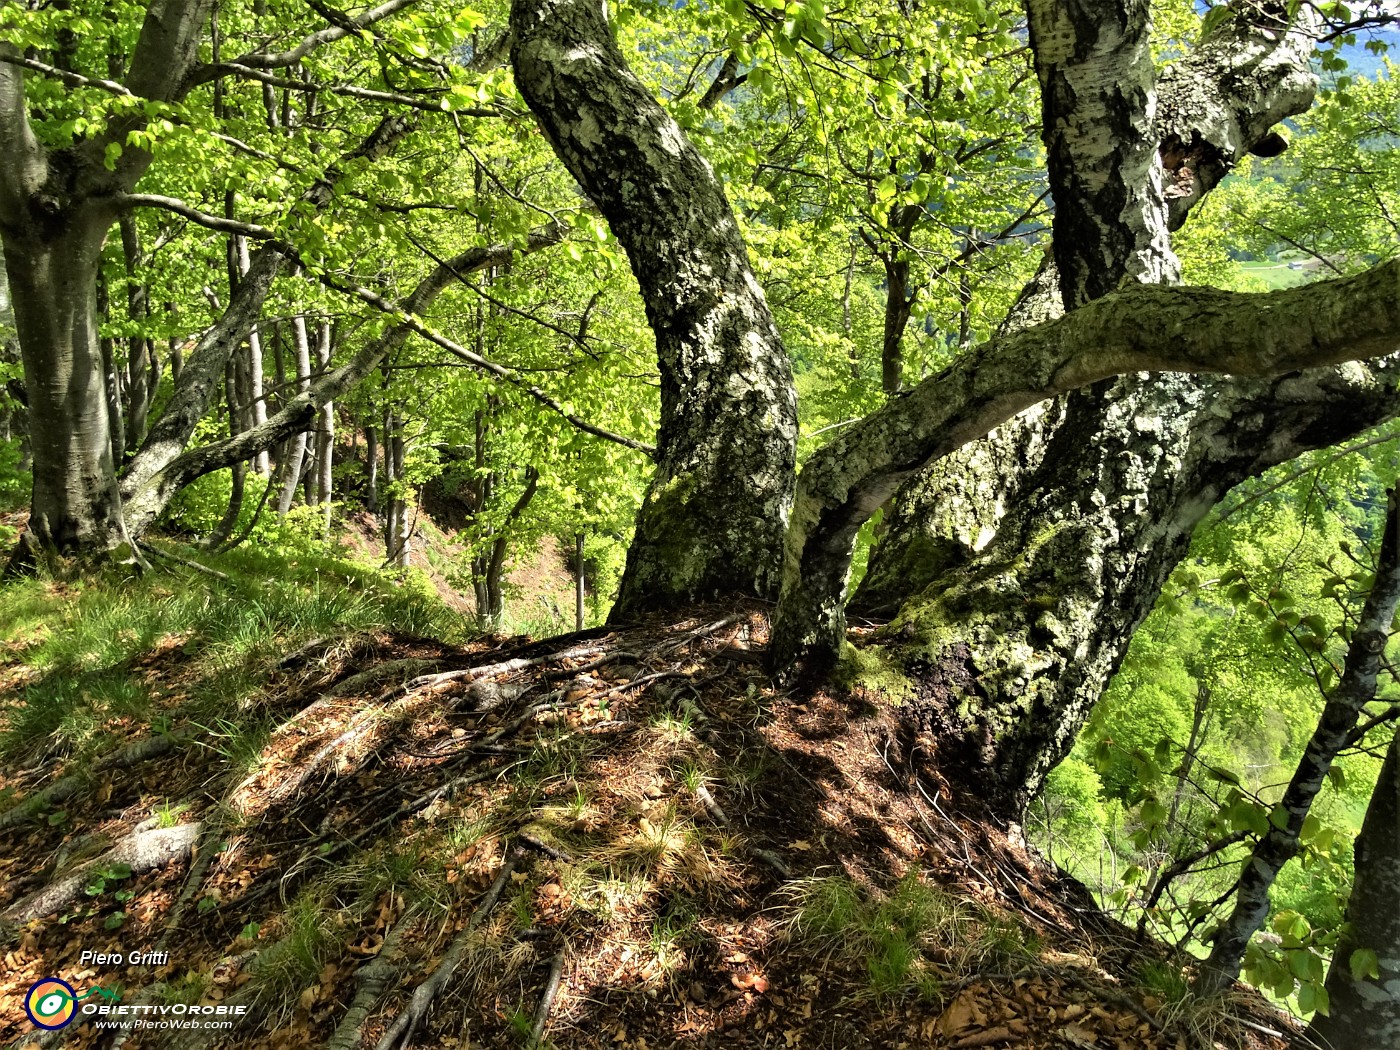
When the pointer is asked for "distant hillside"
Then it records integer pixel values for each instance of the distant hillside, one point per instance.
(1364, 63)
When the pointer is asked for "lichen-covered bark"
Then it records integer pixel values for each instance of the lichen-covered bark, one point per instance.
(1047, 608)
(1143, 328)
(1098, 105)
(713, 517)
(1213, 106)
(1365, 1011)
(1084, 460)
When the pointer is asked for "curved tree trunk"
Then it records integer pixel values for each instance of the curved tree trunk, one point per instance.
(713, 517)
(1058, 529)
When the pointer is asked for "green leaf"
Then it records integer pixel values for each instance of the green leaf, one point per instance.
(1311, 826)
(1364, 964)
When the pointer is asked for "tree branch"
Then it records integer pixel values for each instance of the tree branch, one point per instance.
(146, 495)
(24, 163)
(501, 372)
(214, 71)
(218, 223)
(308, 44)
(1141, 329)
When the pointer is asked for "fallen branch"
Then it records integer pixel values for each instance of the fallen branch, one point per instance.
(501, 667)
(188, 563)
(617, 690)
(711, 806)
(400, 1033)
(544, 847)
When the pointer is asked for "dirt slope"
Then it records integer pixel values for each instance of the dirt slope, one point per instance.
(620, 839)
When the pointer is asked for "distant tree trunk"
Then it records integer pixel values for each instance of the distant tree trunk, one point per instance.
(713, 517)
(296, 446)
(488, 568)
(142, 370)
(1365, 1010)
(578, 581)
(115, 384)
(325, 433)
(371, 470)
(396, 527)
(239, 471)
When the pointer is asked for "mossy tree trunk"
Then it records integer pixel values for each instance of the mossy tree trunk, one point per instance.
(1052, 537)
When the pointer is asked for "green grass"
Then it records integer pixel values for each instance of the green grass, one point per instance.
(1274, 275)
(310, 938)
(903, 938)
(84, 639)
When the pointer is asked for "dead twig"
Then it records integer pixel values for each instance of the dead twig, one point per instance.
(544, 847)
(711, 806)
(602, 661)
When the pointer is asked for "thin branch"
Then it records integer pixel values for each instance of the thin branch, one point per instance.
(250, 230)
(213, 72)
(308, 44)
(502, 372)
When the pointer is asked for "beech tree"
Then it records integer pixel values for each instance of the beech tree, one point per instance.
(1039, 486)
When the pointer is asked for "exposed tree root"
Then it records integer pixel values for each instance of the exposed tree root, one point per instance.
(204, 852)
(65, 788)
(372, 980)
(430, 681)
(141, 852)
(551, 989)
(400, 1033)
(351, 748)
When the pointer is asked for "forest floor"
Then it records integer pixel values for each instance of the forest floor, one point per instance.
(613, 839)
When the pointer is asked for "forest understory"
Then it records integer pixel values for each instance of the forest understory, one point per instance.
(614, 838)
